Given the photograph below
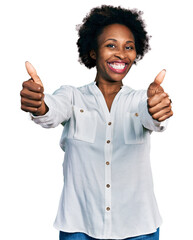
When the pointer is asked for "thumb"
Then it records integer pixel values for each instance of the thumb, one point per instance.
(155, 87)
(32, 72)
(160, 77)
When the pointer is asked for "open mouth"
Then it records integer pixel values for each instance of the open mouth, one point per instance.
(118, 67)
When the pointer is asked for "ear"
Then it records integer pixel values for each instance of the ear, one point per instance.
(93, 54)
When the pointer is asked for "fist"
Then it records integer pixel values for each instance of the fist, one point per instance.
(159, 104)
(32, 94)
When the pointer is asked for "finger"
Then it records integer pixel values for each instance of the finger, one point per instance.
(161, 113)
(164, 103)
(153, 89)
(29, 109)
(167, 115)
(31, 95)
(160, 77)
(32, 86)
(32, 72)
(30, 103)
(157, 98)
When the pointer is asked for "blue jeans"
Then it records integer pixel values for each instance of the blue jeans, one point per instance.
(83, 236)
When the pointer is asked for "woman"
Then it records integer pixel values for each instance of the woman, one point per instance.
(108, 187)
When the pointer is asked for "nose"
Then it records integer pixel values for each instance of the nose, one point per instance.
(121, 53)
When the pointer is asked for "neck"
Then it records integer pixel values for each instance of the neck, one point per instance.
(107, 87)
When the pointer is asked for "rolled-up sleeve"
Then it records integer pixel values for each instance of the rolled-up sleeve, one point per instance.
(60, 108)
(146, 119)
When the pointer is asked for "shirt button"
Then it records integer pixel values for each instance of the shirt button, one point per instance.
(107, 163)
(81, 110)
(108, 185)
(109, 123)
(136, 114)
(108, 208)
(108, 141)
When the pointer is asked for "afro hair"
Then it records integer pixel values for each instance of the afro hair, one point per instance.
(100, 17)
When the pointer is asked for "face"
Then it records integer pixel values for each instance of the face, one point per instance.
(116, 53)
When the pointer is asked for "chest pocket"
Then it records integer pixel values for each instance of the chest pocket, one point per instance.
(134, 133)
(85, 124)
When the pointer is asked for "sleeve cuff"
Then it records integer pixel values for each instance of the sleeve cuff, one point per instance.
(43, 119)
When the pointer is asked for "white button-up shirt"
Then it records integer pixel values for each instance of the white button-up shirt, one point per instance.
(108, 187)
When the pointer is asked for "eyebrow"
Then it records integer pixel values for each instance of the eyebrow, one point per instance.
(116, 40)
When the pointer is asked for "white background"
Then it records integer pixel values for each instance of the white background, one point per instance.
(43, 32)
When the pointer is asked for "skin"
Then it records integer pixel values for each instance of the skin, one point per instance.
(123, 48)
(32, 94)
(159, 104)
(115, 43)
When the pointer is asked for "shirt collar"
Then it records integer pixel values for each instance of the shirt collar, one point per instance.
(94, 86)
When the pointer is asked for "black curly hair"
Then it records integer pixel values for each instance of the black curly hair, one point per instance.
(100, 17)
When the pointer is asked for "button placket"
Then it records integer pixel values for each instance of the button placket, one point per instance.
(108, 159)
(108, 116)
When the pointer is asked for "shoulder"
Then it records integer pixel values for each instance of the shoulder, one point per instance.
(70, 91)
(136, 94)
(73, 88)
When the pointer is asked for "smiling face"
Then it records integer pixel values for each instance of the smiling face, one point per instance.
(116, 53)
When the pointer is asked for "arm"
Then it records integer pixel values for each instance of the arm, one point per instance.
(147, 119)
(46, 110)
(60, 108)
(155, 106)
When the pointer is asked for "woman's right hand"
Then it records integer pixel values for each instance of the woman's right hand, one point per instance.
(32, 94)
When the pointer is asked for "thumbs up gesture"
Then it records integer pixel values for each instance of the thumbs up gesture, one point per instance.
(159, 104)
(32, 96)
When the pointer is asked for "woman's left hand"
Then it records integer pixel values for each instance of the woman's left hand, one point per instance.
(159, 104)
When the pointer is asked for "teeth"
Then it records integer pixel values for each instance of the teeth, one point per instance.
(117, 65)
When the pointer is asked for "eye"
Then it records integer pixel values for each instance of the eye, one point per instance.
(129, 47)
(110, 45)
